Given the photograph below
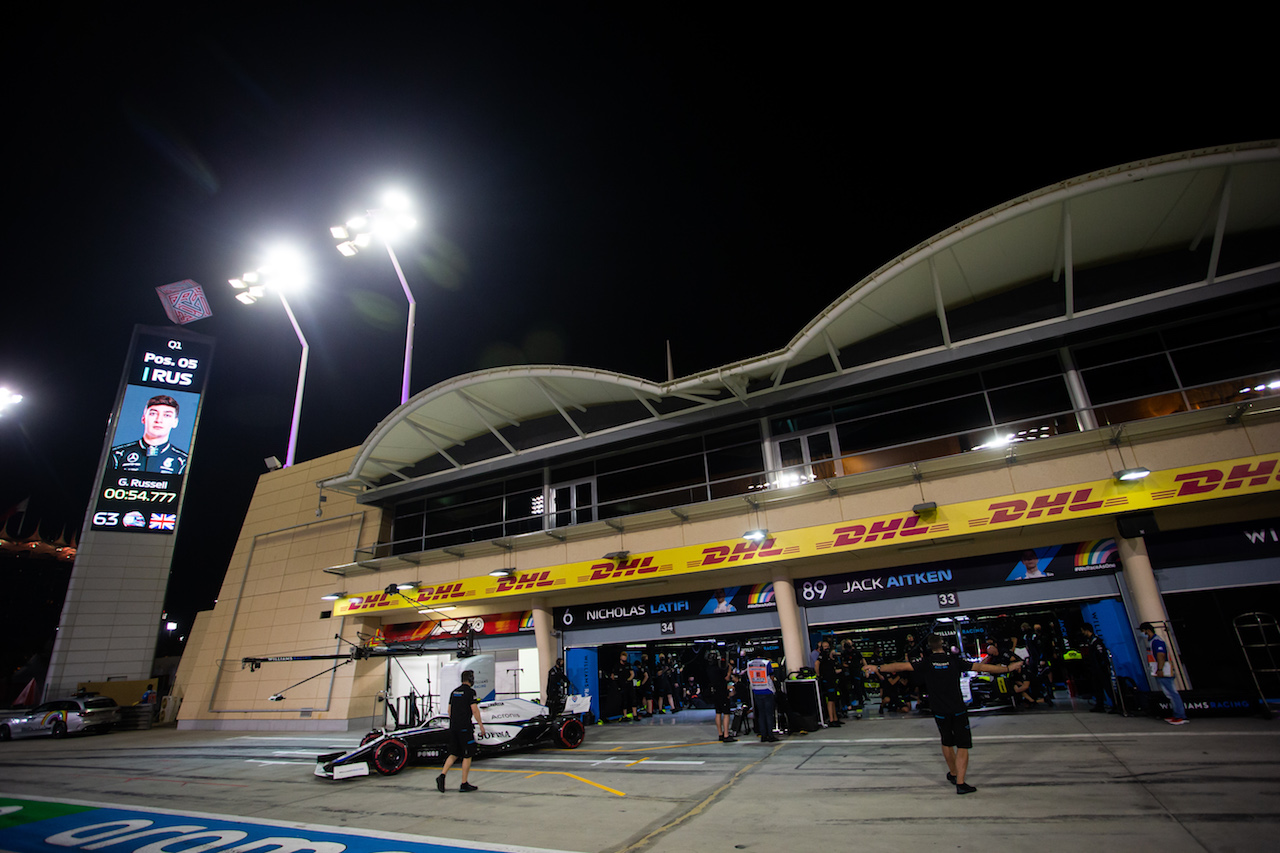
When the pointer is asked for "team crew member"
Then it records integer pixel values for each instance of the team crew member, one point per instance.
(1162, 669)
(557, 683)
(462, 736)
(941, 670)
(760, 674)
(720, 674)
(153, 452)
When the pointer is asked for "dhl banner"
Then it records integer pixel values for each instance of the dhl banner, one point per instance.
(1230, 478)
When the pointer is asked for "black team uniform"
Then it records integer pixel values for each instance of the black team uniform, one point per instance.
(462, 734)
(940, 670)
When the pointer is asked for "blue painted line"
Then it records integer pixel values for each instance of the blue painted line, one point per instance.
(39, 825)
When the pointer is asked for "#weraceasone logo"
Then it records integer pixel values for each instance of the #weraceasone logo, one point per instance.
(163, 520)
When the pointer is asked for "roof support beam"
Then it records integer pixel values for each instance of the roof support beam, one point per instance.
(645, 402)
(541, 386)
(1068, 260)
(833, 351)
(475, 409)
(1224, 204)
(429, 436)
(392, 467)
(939, 306)
(508, 417)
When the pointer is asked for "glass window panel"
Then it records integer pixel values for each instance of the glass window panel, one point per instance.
(922, 422)
(1116, 350)
(650, 479)
(1156, 406)
(745, 434)
(1022, 371)
(735, 461)
(1220, 360)
(791, 452)
(1139, 377)
(1018, 402)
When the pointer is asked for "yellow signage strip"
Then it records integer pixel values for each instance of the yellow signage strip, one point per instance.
(1233, 477)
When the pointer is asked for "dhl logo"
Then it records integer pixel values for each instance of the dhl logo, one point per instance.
(1200, 482)
(1055, 503)
(621, 569)
(533, 580)
(883, 530)
(443, 592)
(742, 551)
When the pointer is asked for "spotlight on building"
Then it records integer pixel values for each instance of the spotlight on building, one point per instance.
(924, 508)
(756, 535)
(333, 596)
(1126, 474)
(502, 573)
(617, 556)
(272, 463)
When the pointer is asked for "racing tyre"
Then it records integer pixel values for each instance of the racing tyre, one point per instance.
(370, 737)
(59, 729)
(571, 733)
(390, 756)
(4, 733)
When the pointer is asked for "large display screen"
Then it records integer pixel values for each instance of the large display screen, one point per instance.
(153, 433)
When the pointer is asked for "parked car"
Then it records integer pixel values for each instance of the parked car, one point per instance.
(62, 717)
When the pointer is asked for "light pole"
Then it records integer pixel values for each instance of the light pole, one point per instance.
(386, 223)
(283, 271)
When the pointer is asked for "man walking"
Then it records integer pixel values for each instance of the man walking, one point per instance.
(941, 670)
(462, 736)
(1162, 669)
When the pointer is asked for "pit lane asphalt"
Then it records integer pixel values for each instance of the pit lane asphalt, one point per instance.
(1050, 779)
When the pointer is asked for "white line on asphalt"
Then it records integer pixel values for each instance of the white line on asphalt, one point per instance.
(595, 761)
(265, 761)
(1079, 736)
(293, 739)
(292, 752)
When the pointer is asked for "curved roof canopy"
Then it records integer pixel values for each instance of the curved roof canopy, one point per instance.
(1180, 201)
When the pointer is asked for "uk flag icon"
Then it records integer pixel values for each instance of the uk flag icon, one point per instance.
(163, 521)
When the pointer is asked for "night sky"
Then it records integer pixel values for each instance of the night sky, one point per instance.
(595, 181)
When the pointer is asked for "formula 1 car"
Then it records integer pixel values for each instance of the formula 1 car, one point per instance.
(509, 724)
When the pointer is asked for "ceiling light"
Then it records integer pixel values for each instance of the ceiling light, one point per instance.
(502, 573)
(440, 609)
(333, 596)
(756, 535)
(1132, 474)
(407, 585)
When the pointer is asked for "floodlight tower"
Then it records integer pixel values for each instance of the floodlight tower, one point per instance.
(283, 271)
(386, 223)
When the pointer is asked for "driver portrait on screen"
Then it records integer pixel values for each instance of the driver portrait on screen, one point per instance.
(153, 452)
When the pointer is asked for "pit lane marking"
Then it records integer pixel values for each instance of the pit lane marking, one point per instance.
(529, 775)
(594, 762)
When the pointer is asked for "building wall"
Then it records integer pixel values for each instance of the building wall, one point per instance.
(270, 601)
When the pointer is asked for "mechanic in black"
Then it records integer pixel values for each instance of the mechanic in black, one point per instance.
(1099, 661)
(830, 668)
(557, 684)
(153, 452)
(941, 671)
(462, 736)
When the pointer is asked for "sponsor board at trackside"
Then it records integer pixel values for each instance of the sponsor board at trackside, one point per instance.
(1230, 478)
(38, 825)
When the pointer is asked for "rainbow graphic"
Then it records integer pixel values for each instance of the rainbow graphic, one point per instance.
(1096, 553)
(761, 595)
(526, 621)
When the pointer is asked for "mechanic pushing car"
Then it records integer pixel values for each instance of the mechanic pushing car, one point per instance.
(463, 706)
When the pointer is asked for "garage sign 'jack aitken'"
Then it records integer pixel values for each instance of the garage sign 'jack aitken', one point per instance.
(509, 724)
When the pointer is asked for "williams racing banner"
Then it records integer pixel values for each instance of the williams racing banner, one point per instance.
(1033, 565)
(1233, 477)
